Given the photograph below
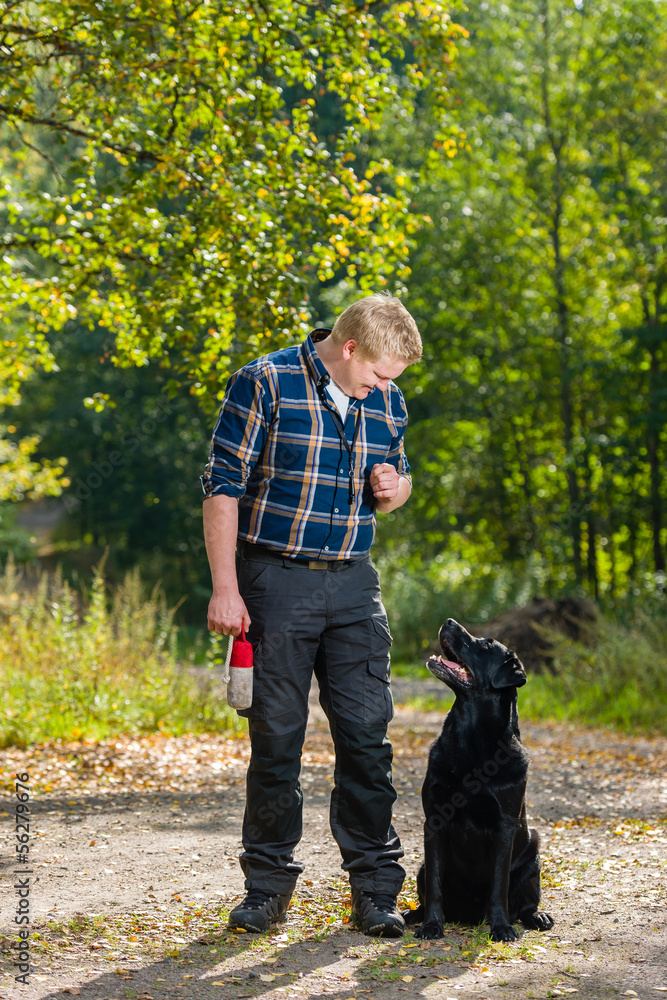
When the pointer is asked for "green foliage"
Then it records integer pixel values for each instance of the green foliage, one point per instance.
(420, 594)
(21, 476)
(188, 184)
(165, 178)
(620, 682)
(539, 417)
(87, 672)
(14, 540)
(133, 470)
(177, 178)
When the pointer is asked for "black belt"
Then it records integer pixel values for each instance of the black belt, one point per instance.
(259, 553)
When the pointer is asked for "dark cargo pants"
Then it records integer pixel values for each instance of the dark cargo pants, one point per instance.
(330, 622)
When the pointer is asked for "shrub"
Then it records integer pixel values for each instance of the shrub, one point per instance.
(77, 669)
(620, 681)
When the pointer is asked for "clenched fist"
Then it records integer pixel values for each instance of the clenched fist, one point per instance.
(384, 481)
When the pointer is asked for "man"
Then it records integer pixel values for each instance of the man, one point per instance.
(308, 447)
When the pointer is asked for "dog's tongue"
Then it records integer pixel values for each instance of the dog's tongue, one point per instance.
(452, 664)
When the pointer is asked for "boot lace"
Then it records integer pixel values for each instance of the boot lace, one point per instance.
(256, 898)
(383, 901)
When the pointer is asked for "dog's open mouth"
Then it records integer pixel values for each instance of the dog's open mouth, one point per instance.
(450, 668)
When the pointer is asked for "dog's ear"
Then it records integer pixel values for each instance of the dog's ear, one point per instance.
(510, 673)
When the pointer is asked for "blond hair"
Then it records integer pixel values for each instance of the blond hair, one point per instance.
(380, 324)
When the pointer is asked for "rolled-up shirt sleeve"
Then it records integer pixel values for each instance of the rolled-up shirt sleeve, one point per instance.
(397, 458)
(238, 436)
(396, 455)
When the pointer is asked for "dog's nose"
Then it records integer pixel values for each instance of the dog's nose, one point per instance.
(451, 621)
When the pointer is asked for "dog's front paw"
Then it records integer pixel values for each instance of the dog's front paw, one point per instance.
(503, 932)
(430, 930)
(538, 921)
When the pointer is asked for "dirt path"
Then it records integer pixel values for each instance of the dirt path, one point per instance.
(133, 860)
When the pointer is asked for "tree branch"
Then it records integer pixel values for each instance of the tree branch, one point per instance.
(13, 113)
(36, 149)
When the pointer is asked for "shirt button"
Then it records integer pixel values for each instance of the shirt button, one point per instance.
(326, 548)
(335, 510)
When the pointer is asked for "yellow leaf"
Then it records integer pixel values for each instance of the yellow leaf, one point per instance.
(61, 220)
(407, 979)
(267, 979)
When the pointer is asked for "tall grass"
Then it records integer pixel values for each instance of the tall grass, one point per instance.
(76, 669)
(620, 681)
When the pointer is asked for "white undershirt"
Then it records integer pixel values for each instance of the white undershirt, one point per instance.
(340, 398)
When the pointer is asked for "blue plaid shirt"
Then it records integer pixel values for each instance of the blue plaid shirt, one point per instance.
(277, 447)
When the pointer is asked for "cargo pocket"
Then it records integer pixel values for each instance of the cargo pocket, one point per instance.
(378, 702)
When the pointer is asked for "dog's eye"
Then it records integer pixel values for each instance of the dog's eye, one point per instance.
(487, 643)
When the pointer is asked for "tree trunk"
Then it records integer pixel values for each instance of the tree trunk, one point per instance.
(653, 429)
(591, 533)
(653, 448)
(556, 143)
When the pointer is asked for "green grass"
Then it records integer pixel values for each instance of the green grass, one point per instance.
(74, 669)
(620, 682)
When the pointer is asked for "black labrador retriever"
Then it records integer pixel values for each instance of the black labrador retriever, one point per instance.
(481, 860)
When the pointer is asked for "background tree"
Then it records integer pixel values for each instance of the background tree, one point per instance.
(177, 179)
(529, 289)
(168, 181)
(184, 189)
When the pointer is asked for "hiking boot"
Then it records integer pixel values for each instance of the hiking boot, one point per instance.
(376, 913)
(259, 910)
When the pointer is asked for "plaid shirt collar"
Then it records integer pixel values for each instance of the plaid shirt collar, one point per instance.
(315, 367)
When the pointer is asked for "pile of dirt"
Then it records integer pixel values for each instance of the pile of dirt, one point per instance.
(529, 630)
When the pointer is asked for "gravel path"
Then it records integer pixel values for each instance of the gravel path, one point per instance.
(133, 858)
